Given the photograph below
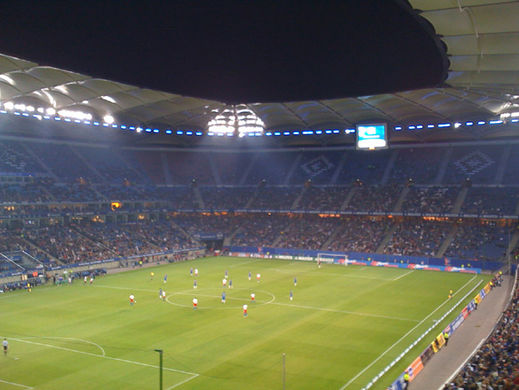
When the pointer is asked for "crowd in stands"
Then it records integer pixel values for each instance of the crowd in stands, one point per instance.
(227, 198)
(374, 198)
(495, 365)
(430, 200)
(261, 230)
(324, 198)
(491, 200)
(359, 234)
(66, 244)
(479, 241)
(42, 184)
(87, 241)
(417, 238)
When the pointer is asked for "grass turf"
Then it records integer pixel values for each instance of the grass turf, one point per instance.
(340, 322)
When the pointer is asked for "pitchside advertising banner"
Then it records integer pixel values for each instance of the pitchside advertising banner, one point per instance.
(418, 364)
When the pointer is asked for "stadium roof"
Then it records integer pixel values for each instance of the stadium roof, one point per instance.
(482, 40)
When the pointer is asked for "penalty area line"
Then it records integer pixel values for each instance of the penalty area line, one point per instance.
(401, 276)
(104, 356)
(16, 384)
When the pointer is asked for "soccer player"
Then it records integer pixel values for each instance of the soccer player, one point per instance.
(253, 297)
(250, 275)
(223, 297)
(226, 274)
(164, 295)
(85, 279)
(195, 284)
(291, 295)
(160, 293)
(132, 300)
(295, 281)
(245, 310)
(319, 263)
(152, 274)
(196, 271)
(230, 283)
(92, 279)
(5, 344)
(224, 282)
(450, 294)
(165, 278)
(191, 271)
(258, 277)
(195, 303)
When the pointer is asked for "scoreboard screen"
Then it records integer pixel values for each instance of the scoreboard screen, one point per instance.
(372, 136)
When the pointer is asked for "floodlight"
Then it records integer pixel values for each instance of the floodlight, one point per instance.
(108, 119)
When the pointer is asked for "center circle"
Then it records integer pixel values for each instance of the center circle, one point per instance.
(210, 298)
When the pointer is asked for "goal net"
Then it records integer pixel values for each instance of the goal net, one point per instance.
(331, 258)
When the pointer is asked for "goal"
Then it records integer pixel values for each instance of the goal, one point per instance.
(331, 258)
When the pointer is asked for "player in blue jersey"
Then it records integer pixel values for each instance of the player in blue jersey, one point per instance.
(250, 275)
(223, 297)
(295, 281)
(291, 295)
(195, 284)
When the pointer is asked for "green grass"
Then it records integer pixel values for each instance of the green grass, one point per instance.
(340, 322)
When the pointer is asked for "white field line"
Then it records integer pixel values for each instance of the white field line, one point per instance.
(401, 276)
(401, 338)
(401, 356)
(330, 273)
(69, 338)
(182, 382)
(16, 384)
(462, 364)
(356, 313)
(216, 296)
(104, 357)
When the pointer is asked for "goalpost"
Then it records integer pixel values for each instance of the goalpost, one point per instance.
(331, 258)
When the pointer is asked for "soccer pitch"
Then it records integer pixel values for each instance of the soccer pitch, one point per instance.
(343, 326)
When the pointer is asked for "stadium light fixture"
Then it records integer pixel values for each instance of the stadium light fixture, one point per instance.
(109, 119)
(236, 120)
(72, 114)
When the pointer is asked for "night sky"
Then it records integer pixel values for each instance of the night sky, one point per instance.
(233, 51)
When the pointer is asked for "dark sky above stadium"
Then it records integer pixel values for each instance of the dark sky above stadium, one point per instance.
(233, 51)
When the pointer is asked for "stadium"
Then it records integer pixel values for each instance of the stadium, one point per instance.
(260, 195)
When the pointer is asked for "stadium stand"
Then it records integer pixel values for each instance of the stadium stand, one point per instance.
(64, 187)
